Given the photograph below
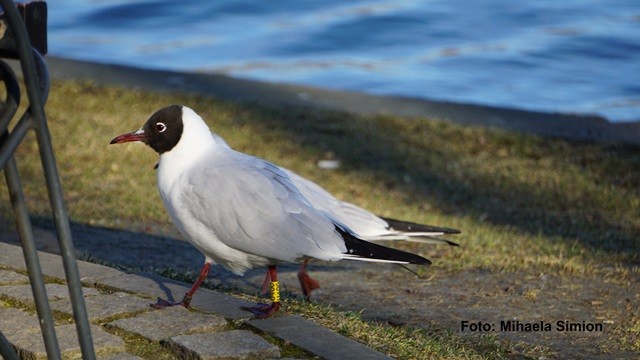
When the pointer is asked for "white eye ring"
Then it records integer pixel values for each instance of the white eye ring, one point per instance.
(161, 127)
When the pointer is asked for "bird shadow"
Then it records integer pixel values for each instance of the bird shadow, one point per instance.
(149, 254)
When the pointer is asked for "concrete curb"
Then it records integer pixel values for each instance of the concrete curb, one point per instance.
(207, 331)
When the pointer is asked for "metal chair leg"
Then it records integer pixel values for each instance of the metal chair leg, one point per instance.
(6, 350)
(31, 259)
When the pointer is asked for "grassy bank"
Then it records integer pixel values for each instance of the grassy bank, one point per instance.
(524, 203)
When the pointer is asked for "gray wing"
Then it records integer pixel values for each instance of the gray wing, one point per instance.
(361, 221)
(364, 223)
(252, 205)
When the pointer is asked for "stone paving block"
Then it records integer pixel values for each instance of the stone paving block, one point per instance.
(166, 323)
(11, 277)
(31, 346)
(12, 256)
(234, 344)
(315, 338)
(105, 305)
(54, 292)
(13, 321)
(230, 307)
(147, 284)
(103, 342)
(91, 274)
(51, 265)
(23, 331)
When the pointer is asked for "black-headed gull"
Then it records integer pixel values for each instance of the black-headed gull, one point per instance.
(367, 225)
(241, 211)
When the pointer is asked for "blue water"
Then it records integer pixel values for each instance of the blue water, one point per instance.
(572, 56)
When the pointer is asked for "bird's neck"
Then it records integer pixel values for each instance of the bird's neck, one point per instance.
(182, 157)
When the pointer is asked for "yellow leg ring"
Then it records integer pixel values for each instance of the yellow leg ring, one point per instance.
(274, 289)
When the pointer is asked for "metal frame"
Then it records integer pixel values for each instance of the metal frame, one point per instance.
(36, 80)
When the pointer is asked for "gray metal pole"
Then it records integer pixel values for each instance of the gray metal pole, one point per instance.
(11, 142)
(61, 219)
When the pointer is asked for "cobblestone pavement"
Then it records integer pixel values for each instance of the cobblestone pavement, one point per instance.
(118, 308)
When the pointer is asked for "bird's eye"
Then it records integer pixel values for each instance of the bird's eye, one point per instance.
(160, 127)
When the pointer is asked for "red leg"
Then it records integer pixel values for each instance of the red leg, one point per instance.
(265, 284)
(262, 311)
(306, 282)
(186, 300)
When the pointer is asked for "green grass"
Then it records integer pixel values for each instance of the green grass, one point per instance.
(524, 203)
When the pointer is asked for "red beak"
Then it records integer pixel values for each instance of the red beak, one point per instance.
(129, 137)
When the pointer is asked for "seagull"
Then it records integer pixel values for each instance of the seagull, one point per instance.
(367, 225)
(241, 211)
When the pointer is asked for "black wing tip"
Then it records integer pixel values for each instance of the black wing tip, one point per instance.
(452, 243)
(408, 226)
(366, 249)
(438, 239)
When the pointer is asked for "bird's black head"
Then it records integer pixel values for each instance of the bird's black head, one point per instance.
(164, 128)
(161, 132)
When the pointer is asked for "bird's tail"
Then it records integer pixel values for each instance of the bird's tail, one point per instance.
(413, 232)
(361, 250)
(410, 227)
(422, 238)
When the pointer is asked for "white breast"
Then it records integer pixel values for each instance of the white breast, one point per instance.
(172, 190)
